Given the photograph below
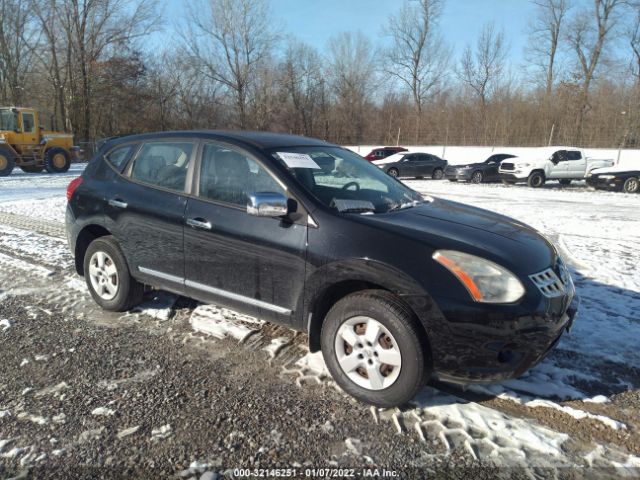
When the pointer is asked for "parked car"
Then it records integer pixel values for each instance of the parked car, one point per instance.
(617, 179)
(486, 171)
(383, 152)
(550, 163)
(249, 220)
(413, 164)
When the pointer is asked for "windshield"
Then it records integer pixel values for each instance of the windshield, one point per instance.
(342, 180)
(8, 120)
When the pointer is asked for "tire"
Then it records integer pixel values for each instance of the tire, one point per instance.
(57, 160)
(393, 172)
(126, 291)
(565, 181)
(453, 179)
(400, 336)
(536, 180)
(477, 177)
(631, 185)
(32, 168)
(7, 161)
(437, 174)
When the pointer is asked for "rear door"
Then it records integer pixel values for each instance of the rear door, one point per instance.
(576, 164)
(146, 208)
(254, 264)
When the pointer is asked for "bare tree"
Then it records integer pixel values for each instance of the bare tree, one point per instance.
(546, 33)
(17, 38)
(229, 39)
(418, 57)
(352, 61)
(302, 81)
(482, 67)
(587, 36)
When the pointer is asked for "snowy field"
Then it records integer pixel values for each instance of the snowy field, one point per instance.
(579, 407)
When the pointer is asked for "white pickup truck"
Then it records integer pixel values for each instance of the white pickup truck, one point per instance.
(549, 163)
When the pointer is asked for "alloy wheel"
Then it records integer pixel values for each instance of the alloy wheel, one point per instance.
(103, 275)
(368, 353)
(631, 185)
(3, 162)
(476, 177)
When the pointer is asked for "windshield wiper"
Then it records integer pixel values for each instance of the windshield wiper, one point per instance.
(402, 206)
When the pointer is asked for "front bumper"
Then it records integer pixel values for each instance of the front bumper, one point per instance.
(511, 177)
(614, 184)
(477, 343)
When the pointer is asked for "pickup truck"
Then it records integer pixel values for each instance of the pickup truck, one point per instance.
(549, 163)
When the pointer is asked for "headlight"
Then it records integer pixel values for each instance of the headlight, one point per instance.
(486, 282)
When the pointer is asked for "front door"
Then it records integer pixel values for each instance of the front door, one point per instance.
(28, 135)
(253, 264)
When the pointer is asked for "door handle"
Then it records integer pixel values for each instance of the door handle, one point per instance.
(114, 202)
(200, 223)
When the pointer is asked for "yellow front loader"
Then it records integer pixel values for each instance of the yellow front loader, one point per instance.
(25, 144)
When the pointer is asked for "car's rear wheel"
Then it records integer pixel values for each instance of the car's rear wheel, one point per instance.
(437, 174)
(631, 185)
(57, 160)
(536, 180)
(453, 179)
(393, 172)
(7, 161)
(477, 177)
(374, 348)
(565, 181)
(32, 168)
(108, 278)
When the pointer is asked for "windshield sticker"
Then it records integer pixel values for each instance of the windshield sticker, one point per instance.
(298, 160)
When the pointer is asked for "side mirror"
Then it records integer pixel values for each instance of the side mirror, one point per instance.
(267, 204)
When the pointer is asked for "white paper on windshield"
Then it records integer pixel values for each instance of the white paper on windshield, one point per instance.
(298, 160)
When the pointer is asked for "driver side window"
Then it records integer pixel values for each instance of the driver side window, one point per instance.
(226, 175)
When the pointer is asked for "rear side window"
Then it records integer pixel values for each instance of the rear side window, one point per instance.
(163, 164)
(227, 175)
(573, 155)
(118, 156)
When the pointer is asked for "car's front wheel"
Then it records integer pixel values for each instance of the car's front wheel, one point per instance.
(631, 185)
(374, 348)
(536, 180)
(437, 174)
(477, 177)
(108, 278)
(393, 172)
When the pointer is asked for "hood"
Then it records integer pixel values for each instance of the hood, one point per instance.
(616, 169)
(452, 225)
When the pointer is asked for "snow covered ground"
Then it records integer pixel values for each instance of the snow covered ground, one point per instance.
(587, 388)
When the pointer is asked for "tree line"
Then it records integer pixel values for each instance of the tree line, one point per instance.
(90, 68)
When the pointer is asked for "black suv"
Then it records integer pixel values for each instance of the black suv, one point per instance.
(395, 288)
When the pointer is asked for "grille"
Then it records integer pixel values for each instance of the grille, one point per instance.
(507, 166)
(548, 283)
